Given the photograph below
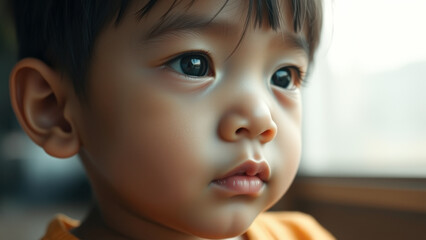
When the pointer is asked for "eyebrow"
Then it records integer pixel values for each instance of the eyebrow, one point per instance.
(183, 22)
(296, 41)
(176, 23)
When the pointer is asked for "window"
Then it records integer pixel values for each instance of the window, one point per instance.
(365, 103)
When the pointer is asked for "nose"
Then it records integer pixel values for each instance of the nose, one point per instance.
(250, 117)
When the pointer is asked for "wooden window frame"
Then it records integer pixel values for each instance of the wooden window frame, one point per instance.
(361, 208)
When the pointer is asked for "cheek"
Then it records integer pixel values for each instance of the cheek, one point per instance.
(168, 155)
(285, 152)
(151, 153)
(289, 148)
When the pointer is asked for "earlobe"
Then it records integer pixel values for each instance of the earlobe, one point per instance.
(39, 98)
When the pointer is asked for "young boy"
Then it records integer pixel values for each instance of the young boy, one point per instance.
(186, 114)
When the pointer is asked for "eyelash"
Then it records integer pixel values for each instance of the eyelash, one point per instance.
(200, 53)
(299, 73)
(288, 78)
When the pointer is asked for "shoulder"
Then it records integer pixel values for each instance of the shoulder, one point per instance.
(287, 225)
(59, 228)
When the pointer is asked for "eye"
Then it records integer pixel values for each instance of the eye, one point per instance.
(191, 64)
(284, 78)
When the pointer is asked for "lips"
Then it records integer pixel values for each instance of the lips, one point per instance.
(248, 178)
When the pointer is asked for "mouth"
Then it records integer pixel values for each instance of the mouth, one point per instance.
(248, 178)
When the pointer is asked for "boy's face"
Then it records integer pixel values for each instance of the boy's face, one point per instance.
(183, 133)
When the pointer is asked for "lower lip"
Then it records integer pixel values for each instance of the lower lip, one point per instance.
(240, 185)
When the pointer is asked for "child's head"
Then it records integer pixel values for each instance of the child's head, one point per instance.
(186, 114)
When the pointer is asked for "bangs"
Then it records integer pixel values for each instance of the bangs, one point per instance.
(306, 16)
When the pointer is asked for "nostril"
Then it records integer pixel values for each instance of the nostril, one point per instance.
(242, 131)
(267, 135)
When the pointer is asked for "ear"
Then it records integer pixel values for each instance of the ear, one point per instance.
(39, 98)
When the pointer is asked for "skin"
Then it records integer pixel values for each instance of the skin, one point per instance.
(153, 139)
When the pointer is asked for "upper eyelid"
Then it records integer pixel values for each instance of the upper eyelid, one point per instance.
(299, 71)
(204, 53)
(193, 52)
(300, 74)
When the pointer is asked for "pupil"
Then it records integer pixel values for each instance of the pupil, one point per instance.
(194, 65)
(281, 78)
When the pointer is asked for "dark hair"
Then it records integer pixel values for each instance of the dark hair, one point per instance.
(62, 33)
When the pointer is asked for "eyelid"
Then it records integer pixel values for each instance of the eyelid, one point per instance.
(299, 70)
(203, 53)
(187, 53)
(300, 74)
(190, 52)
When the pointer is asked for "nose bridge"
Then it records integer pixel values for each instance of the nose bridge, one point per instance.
(252, 105)
(248, 115)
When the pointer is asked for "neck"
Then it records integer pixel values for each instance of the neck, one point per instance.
(95, 227)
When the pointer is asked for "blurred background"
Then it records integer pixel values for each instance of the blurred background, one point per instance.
(363, 169)
(365, 106)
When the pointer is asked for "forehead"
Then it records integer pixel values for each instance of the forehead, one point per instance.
(274, 12)
(226, 16)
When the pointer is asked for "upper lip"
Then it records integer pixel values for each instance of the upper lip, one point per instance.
(260, 169)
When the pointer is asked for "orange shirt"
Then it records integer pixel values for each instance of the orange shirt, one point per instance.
(288, 226)
(59, 228)
(269, 225)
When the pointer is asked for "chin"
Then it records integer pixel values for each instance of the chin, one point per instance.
(230, 227)
(216, 235)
